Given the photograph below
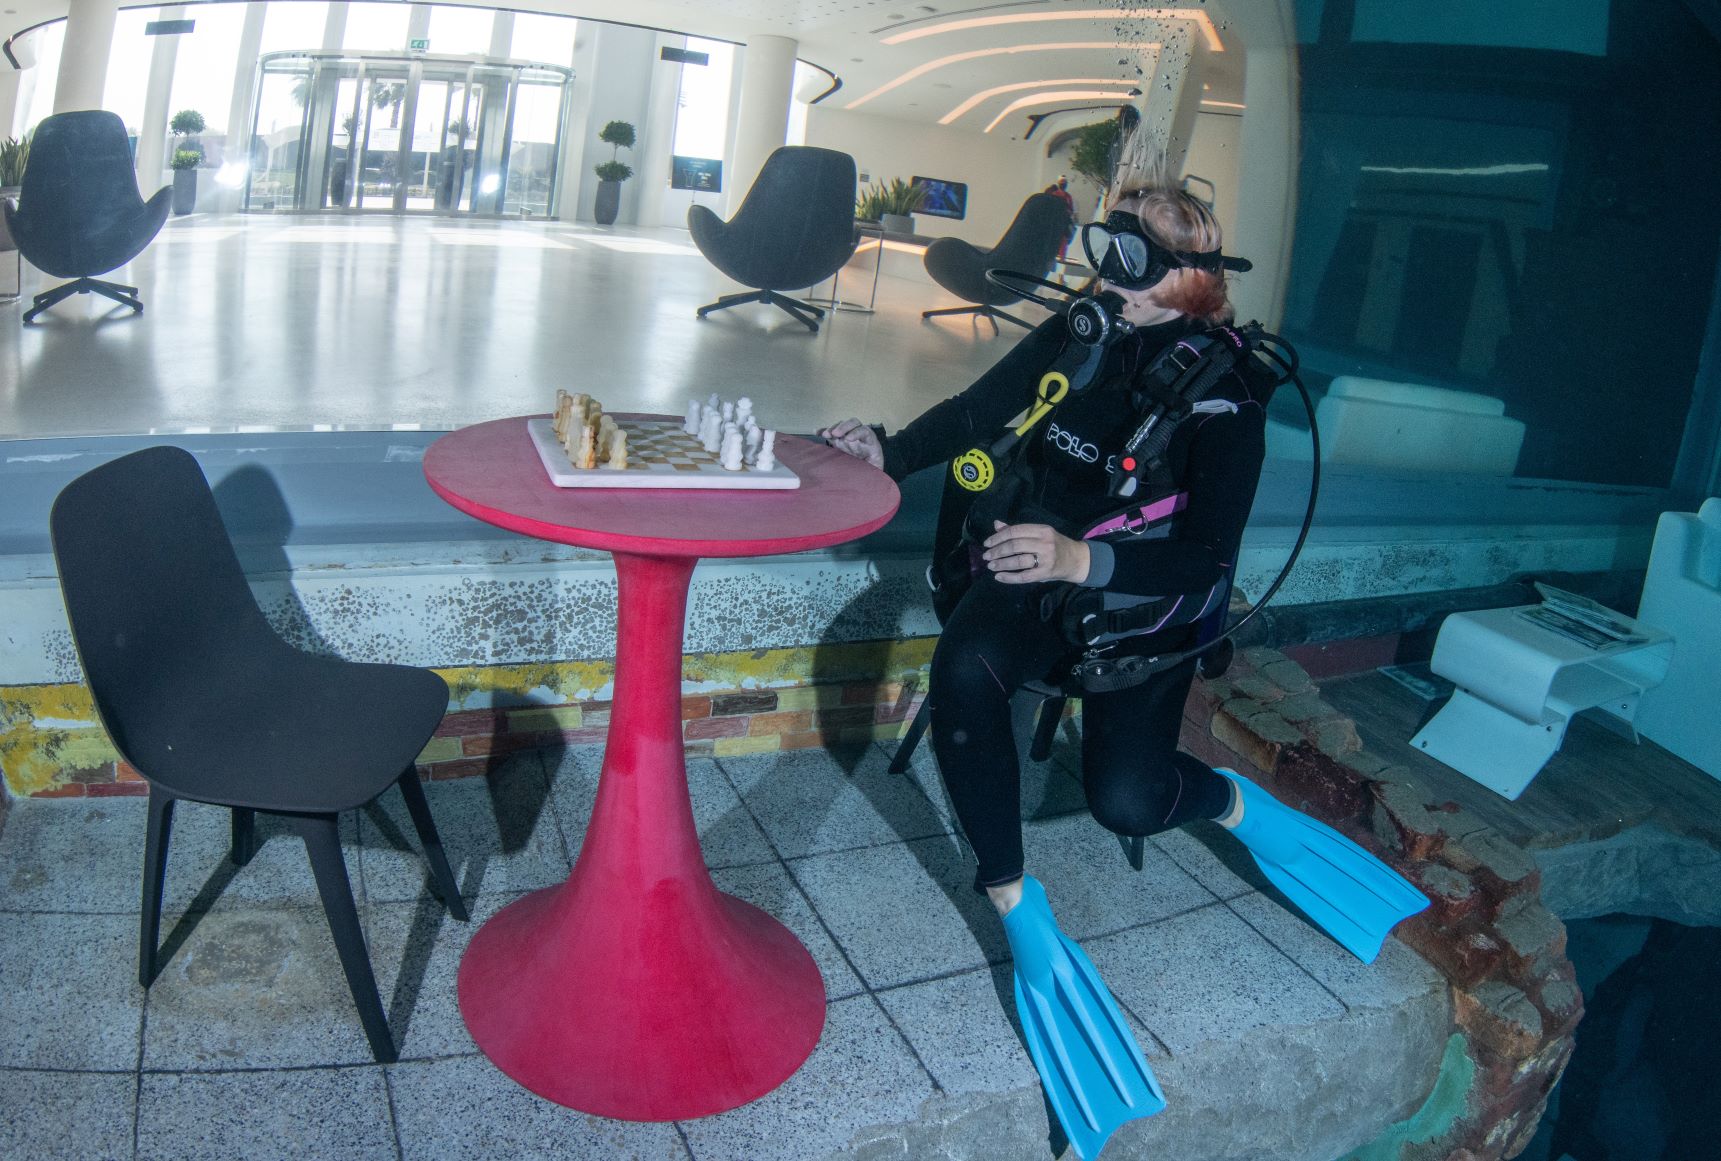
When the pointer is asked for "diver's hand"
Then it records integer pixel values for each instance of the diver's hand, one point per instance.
(1020, 554)
(857, 439)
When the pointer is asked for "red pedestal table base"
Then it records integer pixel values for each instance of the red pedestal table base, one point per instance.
(636, 989)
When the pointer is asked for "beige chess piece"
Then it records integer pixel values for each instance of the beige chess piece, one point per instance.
(588, 458)
(618, 450)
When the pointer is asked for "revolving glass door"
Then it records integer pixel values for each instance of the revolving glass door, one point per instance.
(406, 135)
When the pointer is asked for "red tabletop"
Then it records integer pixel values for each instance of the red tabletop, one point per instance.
(492, 471)
(636, 989)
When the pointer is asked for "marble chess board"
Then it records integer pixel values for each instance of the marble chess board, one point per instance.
(659, 455)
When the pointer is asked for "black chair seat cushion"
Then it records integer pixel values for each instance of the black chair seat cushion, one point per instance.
(299, 733)
(79, 212)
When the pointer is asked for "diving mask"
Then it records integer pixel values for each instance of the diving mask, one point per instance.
(1126, 255)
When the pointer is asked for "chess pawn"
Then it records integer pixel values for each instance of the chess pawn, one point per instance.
(711, 431)
(728, 412)
(618, 450)
(732, 453)
(768, 451)
(743, 409)
(588, 447)
(714, 402)
(695, 415)
(750, 441)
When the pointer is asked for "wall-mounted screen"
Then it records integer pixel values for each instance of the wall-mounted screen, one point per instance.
(704, 174)
(944, 199)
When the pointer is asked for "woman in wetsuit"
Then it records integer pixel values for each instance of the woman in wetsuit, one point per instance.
(1161, 257)
(1137, 780)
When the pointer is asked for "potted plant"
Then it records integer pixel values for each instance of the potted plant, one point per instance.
(891, 205)
(184, 164)
(14, 156)
(187, 156)
(618, 135)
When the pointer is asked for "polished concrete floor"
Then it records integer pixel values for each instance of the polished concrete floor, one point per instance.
(364, 323)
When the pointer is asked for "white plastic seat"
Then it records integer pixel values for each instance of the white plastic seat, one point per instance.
(1682, 594)
(1519, 684)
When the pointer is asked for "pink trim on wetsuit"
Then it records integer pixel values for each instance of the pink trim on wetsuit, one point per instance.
(1141, 517)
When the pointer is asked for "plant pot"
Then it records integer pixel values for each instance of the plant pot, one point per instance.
(897, 223)
(608, 203)
(184, 190)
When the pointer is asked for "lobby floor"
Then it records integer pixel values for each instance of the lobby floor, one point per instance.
(262, 321)
(247, 1045)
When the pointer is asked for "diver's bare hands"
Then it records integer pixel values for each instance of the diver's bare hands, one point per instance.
(1020, 554)
(857, 439)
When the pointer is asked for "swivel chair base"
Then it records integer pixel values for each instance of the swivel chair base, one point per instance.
(125, 295)
(990, 313)
(794, 307)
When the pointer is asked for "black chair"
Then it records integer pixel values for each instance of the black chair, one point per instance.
(79, 212)
(1030, 245)
(209, 704)
(795, 229)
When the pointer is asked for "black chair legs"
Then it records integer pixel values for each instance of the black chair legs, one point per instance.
(244, 836)
(1132, 845)
(804, 313)
(990, 313)
(154, 874)
(416, 806)
(1046, 728)
(124, 295)
(911, 740)
(321, 833)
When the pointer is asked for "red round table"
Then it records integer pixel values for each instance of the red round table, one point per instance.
(636, 989)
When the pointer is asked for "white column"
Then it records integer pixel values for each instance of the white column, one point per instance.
(1267, 170)
(417, 24)
(84, 59)
(657, 135)
(1171, 96)
(238, 146)
(501, 35)
(571, 201)
(152, 155)
(335, 25)
(767, 86)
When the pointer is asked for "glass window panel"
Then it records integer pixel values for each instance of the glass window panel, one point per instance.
(538, 37)
(702, 108)
(294, 24)
(203, 70)
(376, 27)
(456, 31)
(532, 153)
(36, 86)
(127, 84)
(1512, 210)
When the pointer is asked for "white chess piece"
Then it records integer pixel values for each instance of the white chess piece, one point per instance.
(711, 430)
(695, 415)
(768, 451)
(750, 441)
(714, 402)
(743, 408)
(732, 454)
(728, 412)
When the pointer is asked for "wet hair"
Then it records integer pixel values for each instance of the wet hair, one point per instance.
(1180, 221)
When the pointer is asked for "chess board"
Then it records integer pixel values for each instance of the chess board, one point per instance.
(659, 455)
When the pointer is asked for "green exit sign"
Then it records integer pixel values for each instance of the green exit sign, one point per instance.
(419, 44)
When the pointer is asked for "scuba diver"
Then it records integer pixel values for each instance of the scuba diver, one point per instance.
(1103, 471)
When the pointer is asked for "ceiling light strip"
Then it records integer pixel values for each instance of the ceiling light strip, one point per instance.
(1018, 86)
(1054, 98)
(1007, 50)
(1194, 15)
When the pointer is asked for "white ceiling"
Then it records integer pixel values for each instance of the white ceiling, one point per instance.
(1024, 49)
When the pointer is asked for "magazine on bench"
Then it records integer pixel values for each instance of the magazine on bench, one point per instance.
(1580, 619)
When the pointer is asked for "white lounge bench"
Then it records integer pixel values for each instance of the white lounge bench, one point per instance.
(1682, 594)
(1519, 683)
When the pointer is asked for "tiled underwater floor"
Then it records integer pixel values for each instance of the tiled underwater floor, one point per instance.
(248, 1045)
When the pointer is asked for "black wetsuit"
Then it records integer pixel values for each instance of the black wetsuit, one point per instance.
(994, 641)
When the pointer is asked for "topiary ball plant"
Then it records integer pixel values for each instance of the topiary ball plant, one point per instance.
(185, 159)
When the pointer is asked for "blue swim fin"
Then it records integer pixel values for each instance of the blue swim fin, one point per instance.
(1093, 1071)
(1357, 898)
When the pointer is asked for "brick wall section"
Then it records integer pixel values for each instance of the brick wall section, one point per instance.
(1515, 994)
